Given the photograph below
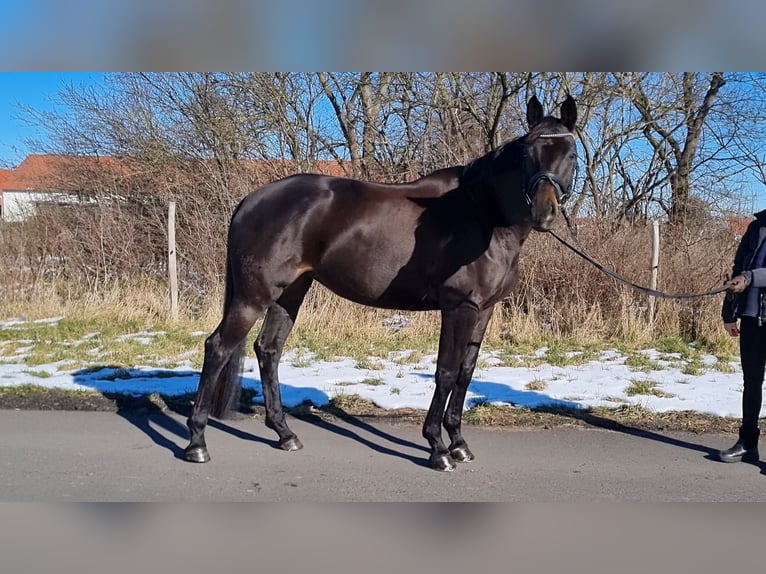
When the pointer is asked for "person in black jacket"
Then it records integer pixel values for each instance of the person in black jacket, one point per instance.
(745, 302)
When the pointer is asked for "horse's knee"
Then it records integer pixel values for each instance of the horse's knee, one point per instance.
(453, 418)
(465, 375)
(446, 377)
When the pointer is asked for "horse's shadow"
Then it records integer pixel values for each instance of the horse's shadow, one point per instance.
(153, 414)
(160, 421)
(151, 418)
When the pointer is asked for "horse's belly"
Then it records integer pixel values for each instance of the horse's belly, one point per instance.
(374, 291)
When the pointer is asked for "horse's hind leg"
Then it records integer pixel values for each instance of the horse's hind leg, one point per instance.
(453, 416)
(220, 349)
(279, 321)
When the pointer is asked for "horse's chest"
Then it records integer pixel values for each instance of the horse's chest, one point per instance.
(501, 282)
(486, 280)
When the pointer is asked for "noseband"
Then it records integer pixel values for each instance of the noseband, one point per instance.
(563, 191)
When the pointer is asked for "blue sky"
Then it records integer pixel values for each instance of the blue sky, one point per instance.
(35, 89)
(39, 90)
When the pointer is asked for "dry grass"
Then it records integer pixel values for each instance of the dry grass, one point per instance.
(644, 387)
(536, 385)
(560, 297)
(329, 327)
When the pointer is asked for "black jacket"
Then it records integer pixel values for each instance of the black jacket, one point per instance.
(743, 260)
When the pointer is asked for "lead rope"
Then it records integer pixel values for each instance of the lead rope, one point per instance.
(621, 279)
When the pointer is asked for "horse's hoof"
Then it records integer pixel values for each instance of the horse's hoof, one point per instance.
(197, 454)
(442, 462)
(462, 454)
(291, 443)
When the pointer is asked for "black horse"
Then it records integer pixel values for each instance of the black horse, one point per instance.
(449, 241)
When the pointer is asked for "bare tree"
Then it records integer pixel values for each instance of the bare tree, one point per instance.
(357, 101)
(674, 110)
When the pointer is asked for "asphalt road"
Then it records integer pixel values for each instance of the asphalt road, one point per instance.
(97, 456)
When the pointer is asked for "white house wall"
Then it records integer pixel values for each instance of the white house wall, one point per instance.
(19, 205)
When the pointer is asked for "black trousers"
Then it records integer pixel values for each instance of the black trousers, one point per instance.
(752, 351)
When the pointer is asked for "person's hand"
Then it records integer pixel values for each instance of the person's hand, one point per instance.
(738, 284)
(732, 328)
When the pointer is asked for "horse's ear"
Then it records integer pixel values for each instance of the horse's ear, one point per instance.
(534, 111)
(569, 113)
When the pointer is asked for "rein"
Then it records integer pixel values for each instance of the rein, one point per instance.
(646, 290)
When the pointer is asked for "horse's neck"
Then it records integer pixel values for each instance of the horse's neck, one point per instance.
(503, 209)
(513, 233)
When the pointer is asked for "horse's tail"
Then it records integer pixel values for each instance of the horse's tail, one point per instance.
(228, 387)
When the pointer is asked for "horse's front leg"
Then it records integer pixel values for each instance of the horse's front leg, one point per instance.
(453, 417)
(458, 323)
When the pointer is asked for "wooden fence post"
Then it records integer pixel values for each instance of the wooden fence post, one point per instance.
(172, 267)
(655, 264)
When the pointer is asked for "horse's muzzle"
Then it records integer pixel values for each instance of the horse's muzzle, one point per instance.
(544, 205)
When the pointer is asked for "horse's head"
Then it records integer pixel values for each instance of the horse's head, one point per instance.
(530, 177)
(549, 159)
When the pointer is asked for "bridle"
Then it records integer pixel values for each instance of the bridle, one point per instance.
(563, 190)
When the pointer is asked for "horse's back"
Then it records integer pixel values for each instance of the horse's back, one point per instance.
(290, 194)
(311, 184)
(306, 194)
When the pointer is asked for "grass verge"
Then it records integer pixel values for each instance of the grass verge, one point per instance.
(623, 418)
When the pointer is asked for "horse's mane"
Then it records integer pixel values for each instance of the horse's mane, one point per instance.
(507, 153)
(483, 166)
